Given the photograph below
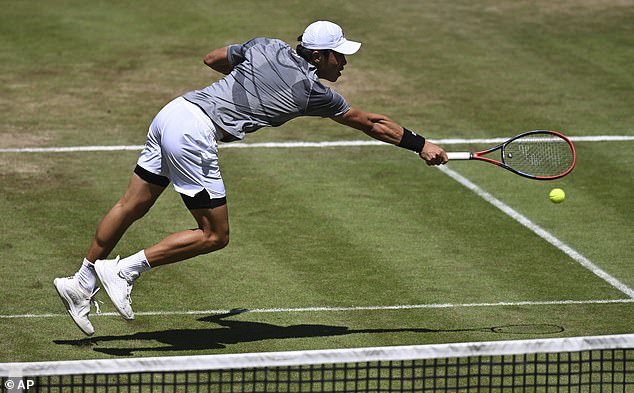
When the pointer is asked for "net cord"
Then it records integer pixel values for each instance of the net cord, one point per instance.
(330, 356)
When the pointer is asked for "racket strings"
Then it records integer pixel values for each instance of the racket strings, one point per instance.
(539, 155)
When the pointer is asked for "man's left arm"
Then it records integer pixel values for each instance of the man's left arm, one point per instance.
(218, 60)
(387, 130)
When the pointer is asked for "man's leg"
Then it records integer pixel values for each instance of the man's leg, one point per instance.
(135, 203)
(77, 291)
(212, 234)
(118, 276)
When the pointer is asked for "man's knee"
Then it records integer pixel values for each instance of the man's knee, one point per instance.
(212, 218)
(135, 207)
(214, 242)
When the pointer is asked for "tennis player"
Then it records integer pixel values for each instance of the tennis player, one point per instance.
(267, 83)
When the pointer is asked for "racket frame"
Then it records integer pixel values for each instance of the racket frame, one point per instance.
(480, 155)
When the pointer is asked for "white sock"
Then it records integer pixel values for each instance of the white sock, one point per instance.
(132, 266)
(86, 276)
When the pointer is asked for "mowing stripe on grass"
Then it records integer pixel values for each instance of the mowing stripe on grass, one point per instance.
(242, 145)
(353, 308)
(583, 261)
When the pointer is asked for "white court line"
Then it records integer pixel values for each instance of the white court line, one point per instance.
(550, 238)
(243, 145)
(347, 309)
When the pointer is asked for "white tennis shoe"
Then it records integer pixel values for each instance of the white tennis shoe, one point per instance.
(77, 302)
(117, 287)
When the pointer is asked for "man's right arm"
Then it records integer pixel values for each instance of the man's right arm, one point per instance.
(387, 130)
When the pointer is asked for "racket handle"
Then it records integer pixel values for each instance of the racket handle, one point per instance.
(459, 155)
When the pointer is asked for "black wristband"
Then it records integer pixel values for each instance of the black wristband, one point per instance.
(412, 141)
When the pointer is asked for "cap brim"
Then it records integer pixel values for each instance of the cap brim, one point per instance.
(348, 47)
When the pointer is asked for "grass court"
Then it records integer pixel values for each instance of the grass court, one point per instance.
(331, 247)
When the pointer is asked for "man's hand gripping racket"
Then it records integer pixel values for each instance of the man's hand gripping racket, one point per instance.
(539, 155)
(433, 154)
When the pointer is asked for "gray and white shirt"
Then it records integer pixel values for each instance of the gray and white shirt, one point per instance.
(269, 85)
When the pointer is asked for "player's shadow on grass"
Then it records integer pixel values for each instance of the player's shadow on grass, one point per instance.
(234, 332)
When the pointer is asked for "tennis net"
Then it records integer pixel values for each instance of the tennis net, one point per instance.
(578, 364)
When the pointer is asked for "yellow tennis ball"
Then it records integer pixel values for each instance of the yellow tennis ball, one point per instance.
(557, 195)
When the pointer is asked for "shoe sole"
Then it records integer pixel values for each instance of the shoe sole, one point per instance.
(67, 306)
(107, 288)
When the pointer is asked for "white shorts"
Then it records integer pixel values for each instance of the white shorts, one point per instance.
(181, 145)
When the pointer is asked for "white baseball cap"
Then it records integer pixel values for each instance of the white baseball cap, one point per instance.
(327, 35)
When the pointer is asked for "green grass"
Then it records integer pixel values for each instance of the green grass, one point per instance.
(334, 227)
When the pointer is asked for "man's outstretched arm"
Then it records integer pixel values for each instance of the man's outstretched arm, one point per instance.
(387, 130)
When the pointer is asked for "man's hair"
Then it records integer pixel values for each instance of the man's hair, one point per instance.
(307, 54)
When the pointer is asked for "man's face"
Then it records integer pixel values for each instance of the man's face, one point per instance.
(330, 64)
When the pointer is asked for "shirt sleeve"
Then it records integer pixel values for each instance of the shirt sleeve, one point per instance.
(237, 53)
(326, 102)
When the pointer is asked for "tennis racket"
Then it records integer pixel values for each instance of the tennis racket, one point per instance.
(539, 155)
